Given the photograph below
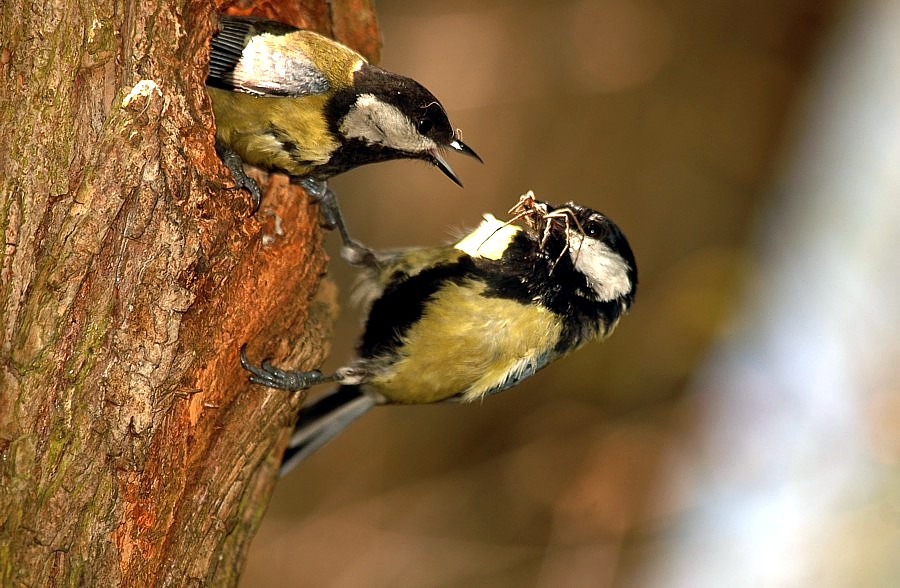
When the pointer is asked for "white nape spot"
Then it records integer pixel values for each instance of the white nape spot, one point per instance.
(489, 240)
(605, 269)
(380, 123)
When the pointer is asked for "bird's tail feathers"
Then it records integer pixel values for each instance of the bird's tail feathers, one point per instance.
(321, 420)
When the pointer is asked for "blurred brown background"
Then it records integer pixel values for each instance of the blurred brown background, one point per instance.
(678, 453)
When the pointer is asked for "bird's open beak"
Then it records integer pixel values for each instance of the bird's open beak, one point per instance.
(458, 145)
(442, 164)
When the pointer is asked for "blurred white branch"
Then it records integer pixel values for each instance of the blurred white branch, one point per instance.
(792, 486)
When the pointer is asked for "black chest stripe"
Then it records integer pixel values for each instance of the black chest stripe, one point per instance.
(403, 303)
(533, 276)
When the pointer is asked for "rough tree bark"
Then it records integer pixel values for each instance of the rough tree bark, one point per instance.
(132, 451)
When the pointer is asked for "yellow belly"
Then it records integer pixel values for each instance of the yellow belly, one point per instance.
(244, 123)
(466, 344)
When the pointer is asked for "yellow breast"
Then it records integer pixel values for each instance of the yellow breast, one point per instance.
(466, 344)
(244, 122)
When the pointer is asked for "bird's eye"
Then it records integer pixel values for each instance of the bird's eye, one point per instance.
(424, 125)
(593, 229)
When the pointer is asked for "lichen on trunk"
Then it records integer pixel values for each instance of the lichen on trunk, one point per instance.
(132, 450)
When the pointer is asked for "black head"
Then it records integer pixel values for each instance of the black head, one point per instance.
(582, 246)
(388, 116)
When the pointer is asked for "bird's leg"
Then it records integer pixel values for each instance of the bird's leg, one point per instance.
(353, 252)
(273, 377)
(234, 163)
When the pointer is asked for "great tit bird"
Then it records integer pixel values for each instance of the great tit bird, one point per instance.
(460, 322)
(293, 101)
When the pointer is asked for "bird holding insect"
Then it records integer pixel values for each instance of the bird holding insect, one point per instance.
(459, 322)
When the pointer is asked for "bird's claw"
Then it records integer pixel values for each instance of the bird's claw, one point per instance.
(235, 165)
(353, 252)
(268, 375)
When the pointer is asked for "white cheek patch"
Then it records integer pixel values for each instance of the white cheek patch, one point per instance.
(380, 123)
(606, 271)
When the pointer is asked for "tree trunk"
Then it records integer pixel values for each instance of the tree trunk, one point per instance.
(132, 450)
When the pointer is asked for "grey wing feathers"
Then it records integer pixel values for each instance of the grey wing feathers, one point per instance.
(227, 46)
(320, 421)
(523, 370)
(240, 59)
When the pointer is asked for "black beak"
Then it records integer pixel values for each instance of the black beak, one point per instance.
(458, 145)
(442, 164)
